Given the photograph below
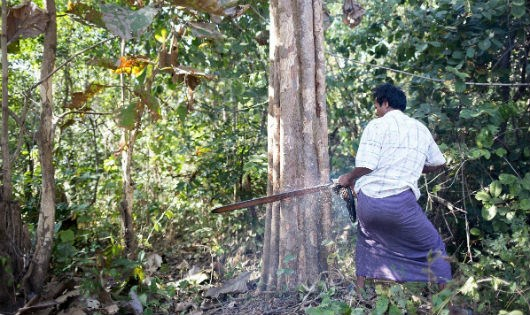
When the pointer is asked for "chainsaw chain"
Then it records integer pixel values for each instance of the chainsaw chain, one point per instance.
(346, 194)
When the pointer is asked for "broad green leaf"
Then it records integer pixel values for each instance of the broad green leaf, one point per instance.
(484, 45)
(474, 231)
(485, 138)
(394, 310)
(381, 305)
(489, 213)
(182, 112)
(476, 153)
(501, 152)
(495, 189)
(483, 196)
(518, 9)
(127, 23)
(470, 52)
(466, 113)
(67, 236)
(161, 35)
(526, 181)
(460, 86)
(128, 115)
(508, 179)
(524, 204)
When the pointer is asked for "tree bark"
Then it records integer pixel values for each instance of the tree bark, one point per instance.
(126, 205)
(5, 277)
(297, 146)
(38, 269)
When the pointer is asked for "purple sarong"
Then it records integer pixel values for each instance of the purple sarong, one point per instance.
(396, 241)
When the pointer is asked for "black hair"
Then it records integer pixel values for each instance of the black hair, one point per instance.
(395, 97)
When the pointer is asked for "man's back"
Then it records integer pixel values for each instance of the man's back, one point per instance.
(396, 148)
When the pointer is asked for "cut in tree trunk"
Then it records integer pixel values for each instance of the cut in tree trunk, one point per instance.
(297, 147)
(38, 269)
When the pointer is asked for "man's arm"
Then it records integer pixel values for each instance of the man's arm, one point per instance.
(348, 179)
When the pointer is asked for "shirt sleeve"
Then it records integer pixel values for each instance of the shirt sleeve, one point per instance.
(434, 155)
(370, 148)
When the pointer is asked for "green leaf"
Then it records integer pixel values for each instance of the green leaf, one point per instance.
(518, 9)
(495, 189)
(474, 153)
(484, 45)
(127, 118)
(394, 310)
(470, 52)
(466, 113)
(483, 196)
(489, 213)
(161, 35)
(508, 179)
(182, 112)
(460, 86)
(381, 305)
(67, 236)
(501, 152)
(474, 231)
(524, 204)
(526, 181)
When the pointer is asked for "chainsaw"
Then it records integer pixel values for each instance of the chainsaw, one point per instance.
(345, 193)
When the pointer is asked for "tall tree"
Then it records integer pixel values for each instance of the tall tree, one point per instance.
(6, 167)
(14, 239)
(298, 146)
(38, 269)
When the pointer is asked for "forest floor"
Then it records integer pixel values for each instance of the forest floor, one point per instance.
(182, 278)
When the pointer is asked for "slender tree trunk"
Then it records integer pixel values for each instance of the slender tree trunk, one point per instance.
(298, 146)
(5, 277)
(128, 140)
(126, 205)
(36, 275)
(14, 239)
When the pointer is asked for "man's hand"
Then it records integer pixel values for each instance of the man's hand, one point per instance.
(348, 179)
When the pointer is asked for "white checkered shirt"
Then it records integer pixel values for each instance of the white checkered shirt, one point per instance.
(395, 147)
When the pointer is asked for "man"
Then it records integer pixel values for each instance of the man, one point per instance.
(395, 239)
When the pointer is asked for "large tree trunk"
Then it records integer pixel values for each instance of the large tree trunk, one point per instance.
(298, 146)
(36, 275)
